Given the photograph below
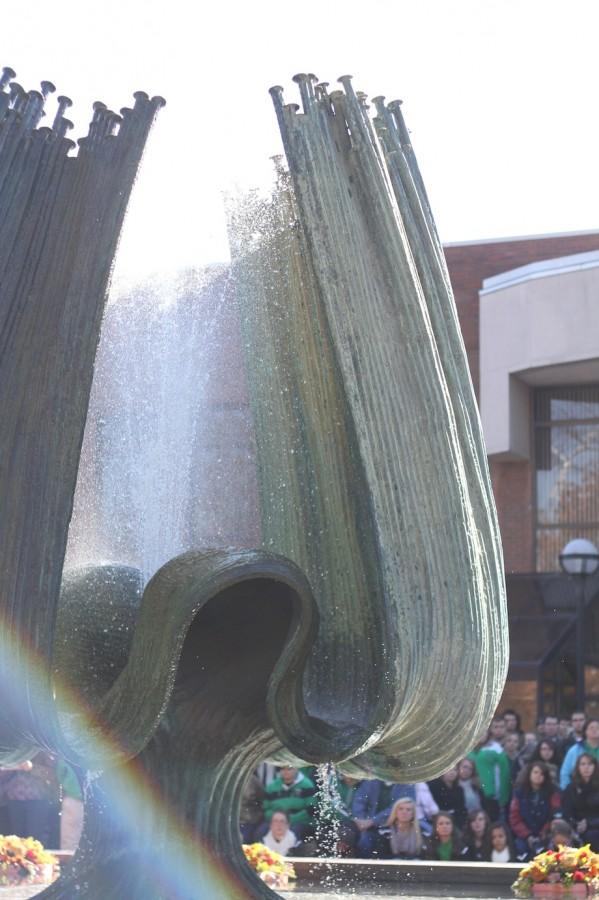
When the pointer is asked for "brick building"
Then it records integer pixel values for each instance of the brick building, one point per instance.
(529, 312)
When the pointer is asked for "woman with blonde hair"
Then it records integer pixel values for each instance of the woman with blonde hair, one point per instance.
(406, 837)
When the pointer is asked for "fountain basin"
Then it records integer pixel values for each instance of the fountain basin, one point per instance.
(414, 879)
(363, 892)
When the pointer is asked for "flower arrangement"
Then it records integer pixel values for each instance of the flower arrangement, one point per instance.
(271, 867)
(568, 871)
(24, 861)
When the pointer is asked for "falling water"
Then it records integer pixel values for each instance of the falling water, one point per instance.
(168, 458)
(329, 807)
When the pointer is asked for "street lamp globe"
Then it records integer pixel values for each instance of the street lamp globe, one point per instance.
(579, 557)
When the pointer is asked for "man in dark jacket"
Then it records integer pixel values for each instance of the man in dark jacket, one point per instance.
(449, 796)
(576, 736)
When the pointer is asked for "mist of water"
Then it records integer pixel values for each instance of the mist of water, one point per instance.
(168, 457)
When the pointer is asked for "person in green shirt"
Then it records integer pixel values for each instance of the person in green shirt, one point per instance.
(494, 771)
(445, 842)
(295, 795)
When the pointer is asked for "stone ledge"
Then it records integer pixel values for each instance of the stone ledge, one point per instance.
(348, 871)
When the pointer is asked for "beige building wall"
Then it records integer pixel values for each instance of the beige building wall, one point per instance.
(539, 325)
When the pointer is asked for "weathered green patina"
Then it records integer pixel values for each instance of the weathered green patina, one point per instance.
(373, 470)
(370, 628)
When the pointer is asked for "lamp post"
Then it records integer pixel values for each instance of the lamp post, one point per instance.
(579, 558)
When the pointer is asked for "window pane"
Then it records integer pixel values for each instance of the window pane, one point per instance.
(551, 541)
(562, 404)
(567, 469)
(568, 487)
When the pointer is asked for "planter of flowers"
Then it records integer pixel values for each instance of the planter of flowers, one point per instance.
(559, 890)
(566, 872)
(24, 861)
(271, 867)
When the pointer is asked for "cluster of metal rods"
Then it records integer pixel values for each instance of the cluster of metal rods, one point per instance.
(315, 94)
(61, 215)
(345, 114)
(352, 316)
(29, 108)
(37, 174)
(348, 113)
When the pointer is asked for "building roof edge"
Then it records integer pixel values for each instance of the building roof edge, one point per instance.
(522, 237)
(544, 268)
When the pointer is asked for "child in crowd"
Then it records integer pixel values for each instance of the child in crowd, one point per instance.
(502, 849)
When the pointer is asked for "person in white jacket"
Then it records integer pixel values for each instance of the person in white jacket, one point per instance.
(280, 837)
(426, 807)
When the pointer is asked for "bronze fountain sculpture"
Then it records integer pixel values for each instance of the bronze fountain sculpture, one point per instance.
(375, 605)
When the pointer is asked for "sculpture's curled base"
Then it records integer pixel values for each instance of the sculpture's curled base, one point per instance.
(163, 825)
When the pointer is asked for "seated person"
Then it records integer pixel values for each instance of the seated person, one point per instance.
(280, 837)
(476, 837)
(426, 807)
(405, 838)
(371, 808)
(580, 800)
(561, 834)
(449, 796)
(589, 745)
(494, 770)
(445, 842)
(502, 848)
(294, 794)
(469, 782)
(545, 752)
(533, 806)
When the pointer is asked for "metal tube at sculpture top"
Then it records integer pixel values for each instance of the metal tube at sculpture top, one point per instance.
(60, 218)
(368, 419)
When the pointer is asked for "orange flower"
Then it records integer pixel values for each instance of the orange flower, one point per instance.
(537, 874)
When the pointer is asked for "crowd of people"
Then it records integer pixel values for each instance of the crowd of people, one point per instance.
(514, 795)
